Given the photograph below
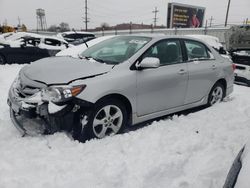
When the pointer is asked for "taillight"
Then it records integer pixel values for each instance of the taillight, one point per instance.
(233, 66)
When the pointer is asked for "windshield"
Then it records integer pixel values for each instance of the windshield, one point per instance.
(116, 50)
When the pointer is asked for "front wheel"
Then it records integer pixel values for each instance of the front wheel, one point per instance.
(216, 94)
(109, 117)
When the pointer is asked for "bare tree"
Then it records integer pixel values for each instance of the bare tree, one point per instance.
(64, 27)
(105, 25)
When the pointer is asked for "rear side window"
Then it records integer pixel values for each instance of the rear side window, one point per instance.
(52, 42)
(197, 50)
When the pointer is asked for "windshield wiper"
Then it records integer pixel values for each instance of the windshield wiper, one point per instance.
(98, 60)
(83, 57)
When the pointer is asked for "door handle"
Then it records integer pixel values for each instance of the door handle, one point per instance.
(214, 67)
(181, 72)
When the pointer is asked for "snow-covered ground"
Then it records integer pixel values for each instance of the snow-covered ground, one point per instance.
(192, 151)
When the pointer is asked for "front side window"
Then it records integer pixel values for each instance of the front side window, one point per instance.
(197, 50)
(116, 50)
(32, 42)
(167, 51)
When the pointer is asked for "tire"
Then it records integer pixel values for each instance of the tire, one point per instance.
(216, 94)
(248, 83)
(108, 117)
(2, 60)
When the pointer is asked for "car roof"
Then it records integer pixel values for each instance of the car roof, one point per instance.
(43, 37)
(158, 36)
(76, 32)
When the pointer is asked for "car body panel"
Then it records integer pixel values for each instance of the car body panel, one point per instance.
(165, 84)
(70, 69)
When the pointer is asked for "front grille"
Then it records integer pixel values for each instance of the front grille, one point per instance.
(240, 67)
(26, 91)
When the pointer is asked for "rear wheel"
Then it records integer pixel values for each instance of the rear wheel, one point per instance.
(2, 60)
(216, 94)
(109, 117)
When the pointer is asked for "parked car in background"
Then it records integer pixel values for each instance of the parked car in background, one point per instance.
(121, 81)
(238, 175)
(76, 37)
(76, 50)
(241, 58)
(28, 49)
(12, 37)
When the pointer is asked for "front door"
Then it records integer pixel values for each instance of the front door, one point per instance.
(162, 88)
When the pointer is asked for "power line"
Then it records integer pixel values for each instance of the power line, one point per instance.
(155, 16)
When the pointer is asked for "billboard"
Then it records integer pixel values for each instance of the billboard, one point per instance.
(185, 16)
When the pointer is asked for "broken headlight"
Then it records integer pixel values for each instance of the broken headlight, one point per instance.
(61, 94)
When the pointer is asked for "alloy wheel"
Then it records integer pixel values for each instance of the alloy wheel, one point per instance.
(217, 95)
(107, 121)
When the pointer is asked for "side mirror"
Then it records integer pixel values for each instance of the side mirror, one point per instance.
(148, 62)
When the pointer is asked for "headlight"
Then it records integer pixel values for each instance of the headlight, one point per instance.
(61, 94)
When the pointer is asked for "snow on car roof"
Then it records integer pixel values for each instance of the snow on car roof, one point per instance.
(78, 32)
(211, 40)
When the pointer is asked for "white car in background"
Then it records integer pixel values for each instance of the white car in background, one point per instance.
(76, 37)
(12, 38)
(241, 59)
(76, 50)
(42, 41)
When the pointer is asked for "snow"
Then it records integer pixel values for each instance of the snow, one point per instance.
(53, 108)
(75, 50)
(211, 40)
(186, 151)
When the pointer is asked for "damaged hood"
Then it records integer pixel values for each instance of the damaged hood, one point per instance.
(62, 70)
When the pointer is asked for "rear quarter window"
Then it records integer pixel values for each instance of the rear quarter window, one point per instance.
(197, 50)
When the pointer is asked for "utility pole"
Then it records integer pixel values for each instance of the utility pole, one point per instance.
(210, 21)
(19, 21)
(228, 6)
(86, 19)
(155, 16)
(5, 22)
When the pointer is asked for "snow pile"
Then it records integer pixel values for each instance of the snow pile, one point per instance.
(192, 151)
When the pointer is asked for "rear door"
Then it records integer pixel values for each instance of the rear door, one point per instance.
(164, 87)
(202, 68)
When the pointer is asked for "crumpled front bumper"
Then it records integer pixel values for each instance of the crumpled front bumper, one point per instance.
(24, 114)
(30, 115)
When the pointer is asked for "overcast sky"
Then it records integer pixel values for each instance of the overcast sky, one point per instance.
(113, 11)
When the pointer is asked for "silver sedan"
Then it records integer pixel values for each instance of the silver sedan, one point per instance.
(121, 81)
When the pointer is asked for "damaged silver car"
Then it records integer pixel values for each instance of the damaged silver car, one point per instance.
(122, 81)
